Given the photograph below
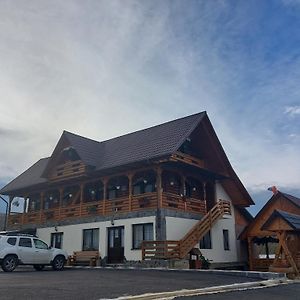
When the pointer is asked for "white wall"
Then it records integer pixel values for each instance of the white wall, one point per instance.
(217, 253)
(178, 227)
(72, 238)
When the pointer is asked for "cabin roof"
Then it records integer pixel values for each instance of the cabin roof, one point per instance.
(274, 198)
(160, 141)
(292, 219)
(143, 145)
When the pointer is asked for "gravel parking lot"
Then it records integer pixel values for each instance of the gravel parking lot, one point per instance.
(74, 284)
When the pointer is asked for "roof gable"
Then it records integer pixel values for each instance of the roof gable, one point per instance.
(290, 221)
(279, 201)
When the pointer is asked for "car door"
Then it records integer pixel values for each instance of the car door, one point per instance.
(25, 250)
(42, 252)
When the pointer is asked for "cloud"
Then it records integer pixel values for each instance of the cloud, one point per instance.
(292, 110)
(105, 68)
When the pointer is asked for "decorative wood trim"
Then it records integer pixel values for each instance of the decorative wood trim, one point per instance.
(42, 194)
(130, 176)
(81, 198)
(250, 253)
(159, 187)
(61, 195)
(104, 181)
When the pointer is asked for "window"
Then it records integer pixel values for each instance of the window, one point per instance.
(90, 239)
(144, 182)
(226, 239)
(25, 242)
(40, 244)
(11, 241)
(56, 240)
(205, 242)
(141, 232)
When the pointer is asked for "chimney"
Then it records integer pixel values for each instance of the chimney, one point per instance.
(273, 189)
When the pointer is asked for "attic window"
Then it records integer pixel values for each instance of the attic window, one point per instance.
(186, 147)
(68, 154)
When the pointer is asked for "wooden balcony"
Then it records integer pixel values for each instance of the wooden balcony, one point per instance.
(108, 207)
(177, 202)
(188, 159)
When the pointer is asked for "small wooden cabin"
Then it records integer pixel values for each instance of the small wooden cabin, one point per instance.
(273, 236)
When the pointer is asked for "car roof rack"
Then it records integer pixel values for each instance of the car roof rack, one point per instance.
(16, 233)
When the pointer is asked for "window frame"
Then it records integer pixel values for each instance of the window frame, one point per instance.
(25, 238)
(226, 240)
(206, 241)
(52, 238)
(133, 234)
(92, 239)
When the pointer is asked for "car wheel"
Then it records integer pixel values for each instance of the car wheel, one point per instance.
(58, 263)
(9, 263)
(39, 267)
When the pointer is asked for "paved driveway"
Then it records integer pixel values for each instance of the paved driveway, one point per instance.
(24, 283)
(282, 292)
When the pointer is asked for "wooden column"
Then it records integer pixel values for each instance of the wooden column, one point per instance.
(42, 194)
(104, 181)
(61, 195)
(25, 208)
(81, 198)
(11, 198)
(159, 187)
(184, 191)
(130, 176)
(204, 195)
(250, 253)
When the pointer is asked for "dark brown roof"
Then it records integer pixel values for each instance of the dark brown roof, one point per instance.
(31, 176)
(143, 145)
(292, 219)
(293, 199)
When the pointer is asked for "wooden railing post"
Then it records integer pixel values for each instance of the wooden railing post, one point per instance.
(104, 181)
(204, 196)
(159, 187)
(184, 192)
(61, 195)
(81, 198)
(143, 251)
(250, 254)
(25, 208)
(11, 198)
(130, 176)
(42, 194)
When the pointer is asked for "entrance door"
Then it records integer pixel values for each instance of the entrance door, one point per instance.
(116, 244)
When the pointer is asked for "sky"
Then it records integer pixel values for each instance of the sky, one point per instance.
(105, 68)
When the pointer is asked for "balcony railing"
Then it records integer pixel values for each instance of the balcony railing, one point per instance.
(108, 207)
(173, 201)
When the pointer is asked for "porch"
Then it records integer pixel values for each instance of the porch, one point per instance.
(143, 190)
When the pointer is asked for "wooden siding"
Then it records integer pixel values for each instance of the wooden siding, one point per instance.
(69, 169)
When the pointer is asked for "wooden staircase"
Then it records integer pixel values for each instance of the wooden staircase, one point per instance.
(179, 249)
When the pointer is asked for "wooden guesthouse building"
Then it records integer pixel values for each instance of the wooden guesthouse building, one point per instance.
(154, 193)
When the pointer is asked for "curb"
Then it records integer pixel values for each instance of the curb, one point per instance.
(247, 274)
(208, 290)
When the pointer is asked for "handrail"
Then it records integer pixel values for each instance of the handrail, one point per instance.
(167, 250)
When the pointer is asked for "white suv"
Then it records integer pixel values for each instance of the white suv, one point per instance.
(29, 250)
